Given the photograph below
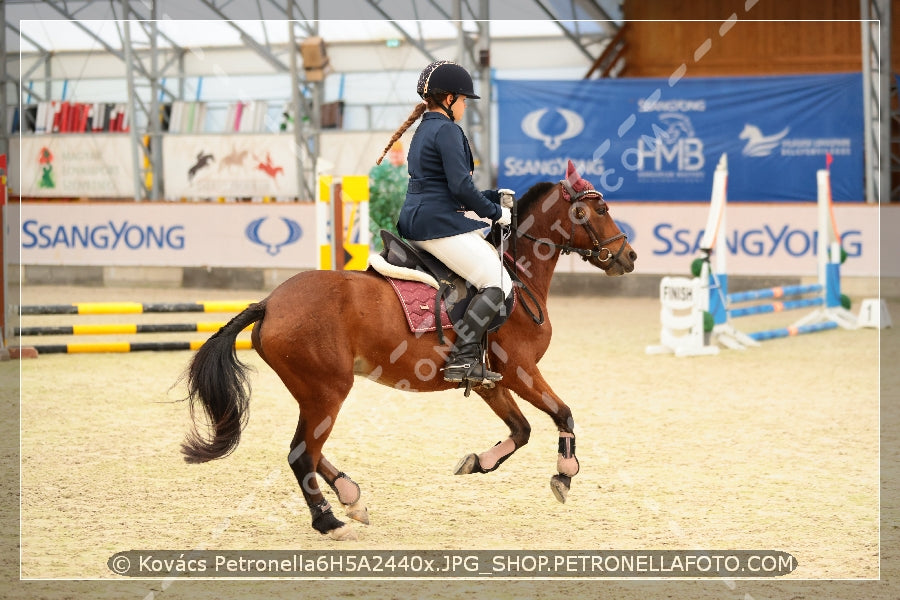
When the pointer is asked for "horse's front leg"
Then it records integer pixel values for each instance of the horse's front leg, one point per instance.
(503, 404)
(531, 387)
(345, 489)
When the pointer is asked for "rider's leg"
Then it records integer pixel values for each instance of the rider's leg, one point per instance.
(466, 359)
(471, 257)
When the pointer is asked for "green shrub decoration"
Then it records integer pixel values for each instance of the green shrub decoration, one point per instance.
(387, 191)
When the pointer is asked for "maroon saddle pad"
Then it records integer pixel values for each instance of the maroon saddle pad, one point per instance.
(417, 300)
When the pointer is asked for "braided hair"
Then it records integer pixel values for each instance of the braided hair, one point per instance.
(429, 102)
(417, 112)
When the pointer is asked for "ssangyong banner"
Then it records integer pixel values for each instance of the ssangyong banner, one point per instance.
(262, 235)
(647, 139)
(761, 239)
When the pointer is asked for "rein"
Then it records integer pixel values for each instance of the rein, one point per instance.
(518, 283)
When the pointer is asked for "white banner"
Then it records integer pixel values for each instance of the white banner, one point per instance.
(203, 166)
(257, 235)
(74, 166)
(762, 239)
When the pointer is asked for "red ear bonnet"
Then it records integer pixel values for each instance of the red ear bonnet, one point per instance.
(578, 184)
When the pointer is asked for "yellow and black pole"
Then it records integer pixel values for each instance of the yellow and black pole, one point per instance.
(339, 248)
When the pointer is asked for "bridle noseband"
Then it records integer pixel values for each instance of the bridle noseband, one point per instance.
(599, 249)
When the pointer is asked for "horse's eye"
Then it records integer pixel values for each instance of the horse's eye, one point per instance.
(601, 210)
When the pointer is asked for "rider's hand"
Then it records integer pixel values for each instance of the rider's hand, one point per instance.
(507, 197)
(505, 216)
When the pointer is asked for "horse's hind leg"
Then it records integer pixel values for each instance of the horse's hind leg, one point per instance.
(346, 489)
(306, 453)
(502, 403)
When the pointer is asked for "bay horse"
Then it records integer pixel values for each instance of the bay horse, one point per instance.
(319, 329)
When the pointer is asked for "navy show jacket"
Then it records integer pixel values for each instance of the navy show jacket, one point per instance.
(440, 184)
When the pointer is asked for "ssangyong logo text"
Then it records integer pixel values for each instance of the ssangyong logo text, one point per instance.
(111, 235)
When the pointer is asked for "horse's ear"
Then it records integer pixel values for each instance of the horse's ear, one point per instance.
(571, 174)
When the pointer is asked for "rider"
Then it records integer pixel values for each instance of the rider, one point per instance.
(440, 190)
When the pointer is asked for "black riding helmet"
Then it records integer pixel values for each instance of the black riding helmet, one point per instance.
(444, 76)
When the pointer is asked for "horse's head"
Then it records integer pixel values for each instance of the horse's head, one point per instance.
(573, 217)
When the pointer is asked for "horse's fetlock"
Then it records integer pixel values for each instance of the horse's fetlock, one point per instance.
(323, 519)
(524, 434)
(567, 466)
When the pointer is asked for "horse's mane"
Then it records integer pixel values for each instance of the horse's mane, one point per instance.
(537, 191)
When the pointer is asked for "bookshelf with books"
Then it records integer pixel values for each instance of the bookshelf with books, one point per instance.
(179, 116)
(63, 116)
(187, 117)
(216, 117)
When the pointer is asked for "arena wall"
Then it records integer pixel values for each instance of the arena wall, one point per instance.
(770, 38)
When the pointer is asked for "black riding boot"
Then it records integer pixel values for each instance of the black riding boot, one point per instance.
(466, 360)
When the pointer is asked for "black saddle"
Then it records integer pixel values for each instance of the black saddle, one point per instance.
(455, 290)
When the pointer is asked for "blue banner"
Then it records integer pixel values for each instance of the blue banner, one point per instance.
(642, 139)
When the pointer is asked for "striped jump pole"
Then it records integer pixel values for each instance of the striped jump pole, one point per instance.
(774, 307)
(104, 347)
(793, 330)
(128, 308)
(122, 328)
(125, 308)
(774, 292)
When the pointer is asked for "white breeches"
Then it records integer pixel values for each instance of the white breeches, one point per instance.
(470, 256)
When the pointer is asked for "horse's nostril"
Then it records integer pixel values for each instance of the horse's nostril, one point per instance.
(632, 255)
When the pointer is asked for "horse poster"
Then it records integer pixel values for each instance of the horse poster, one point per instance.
(230, 165)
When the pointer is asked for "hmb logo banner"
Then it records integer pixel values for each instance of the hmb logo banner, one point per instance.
(642, 139)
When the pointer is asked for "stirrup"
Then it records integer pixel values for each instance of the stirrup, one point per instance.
(463, 372)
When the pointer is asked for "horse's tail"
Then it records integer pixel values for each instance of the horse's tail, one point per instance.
(217, 380)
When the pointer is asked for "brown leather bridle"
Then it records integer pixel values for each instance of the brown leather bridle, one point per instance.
(599, 250)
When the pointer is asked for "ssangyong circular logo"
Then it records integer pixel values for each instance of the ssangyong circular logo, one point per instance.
(270, 238)
(573, 123)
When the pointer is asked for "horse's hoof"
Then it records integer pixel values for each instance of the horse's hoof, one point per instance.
(560, 487)
(358, 512)
(467, 465)
(344, 533)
